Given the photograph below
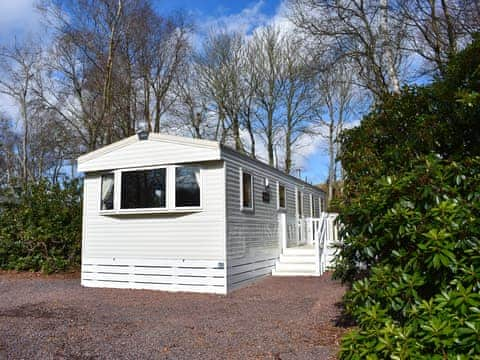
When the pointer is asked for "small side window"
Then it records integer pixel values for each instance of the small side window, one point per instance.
(247, 191)
(299, 203)
(107, 192)
(312, 206)
(282, 203)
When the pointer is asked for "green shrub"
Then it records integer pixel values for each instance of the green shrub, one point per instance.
(42, 230)
(411, 222)
(420, 247)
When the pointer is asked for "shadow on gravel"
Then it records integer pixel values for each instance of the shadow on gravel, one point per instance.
(40, 311)
(343, 320)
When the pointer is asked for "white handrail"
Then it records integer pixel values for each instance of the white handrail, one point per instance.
(321, 232)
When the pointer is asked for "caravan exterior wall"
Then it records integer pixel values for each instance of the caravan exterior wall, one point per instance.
(253, 238)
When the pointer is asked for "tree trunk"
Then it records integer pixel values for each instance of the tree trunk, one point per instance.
(288, 151)
(158, 106)
(146, 104)
(236, 134)
(390, 62)
(270, 139)
(331, 161)
(252, 139)
(107, 87)
(25, 139)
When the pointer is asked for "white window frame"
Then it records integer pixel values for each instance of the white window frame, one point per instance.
(252, 187)
(169, 192)
(278, 196)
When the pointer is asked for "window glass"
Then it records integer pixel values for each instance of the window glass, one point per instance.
(312, 206)
(107, 192)
(247, 190)
(143, 189)
(299, 203)
(281, 196)
(187, 186)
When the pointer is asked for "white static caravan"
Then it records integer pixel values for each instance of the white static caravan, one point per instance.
(171, 213)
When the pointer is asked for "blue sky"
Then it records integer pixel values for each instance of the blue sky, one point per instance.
(19, 18)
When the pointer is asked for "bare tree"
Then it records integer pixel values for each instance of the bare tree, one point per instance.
(114, 62)
(298, 114)
(268, 66)
(9, 139)
(439, 28)
(220, 67)
(162, 58)
(190, 112)
(363, 32)
(337, 96)
(19, 66)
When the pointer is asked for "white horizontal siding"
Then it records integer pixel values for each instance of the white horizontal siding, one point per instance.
(253, 237)
(191, 236)
(149, 153)
(169, 275)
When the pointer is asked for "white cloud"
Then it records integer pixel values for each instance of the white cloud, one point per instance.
(18, 18)
(244, 22)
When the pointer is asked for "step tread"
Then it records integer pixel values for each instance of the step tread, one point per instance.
(299, 259)
(293, 273)
(301, 267)
(299, 251)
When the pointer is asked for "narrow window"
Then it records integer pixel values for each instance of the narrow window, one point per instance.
(323, 205)
(281, 197)
(312, 207)
(187, 186)
(247, 191)
(299, 203)
(107, 192)
(143, 189)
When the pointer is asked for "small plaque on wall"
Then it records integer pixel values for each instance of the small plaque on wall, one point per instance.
(266, 196)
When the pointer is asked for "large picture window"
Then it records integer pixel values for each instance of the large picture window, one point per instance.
(282, 201)
(107, 192)
(247, 191)
(143, 189)
(187, 187)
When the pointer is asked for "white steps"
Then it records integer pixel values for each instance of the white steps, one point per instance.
(296, 262)
(299, 251)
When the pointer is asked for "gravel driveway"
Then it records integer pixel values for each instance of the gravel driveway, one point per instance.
(276, 318)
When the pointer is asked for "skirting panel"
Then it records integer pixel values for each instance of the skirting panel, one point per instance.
(167, 275)
(243, 272)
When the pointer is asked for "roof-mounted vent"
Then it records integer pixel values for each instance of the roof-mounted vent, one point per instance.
(142, 134)
(142, 131)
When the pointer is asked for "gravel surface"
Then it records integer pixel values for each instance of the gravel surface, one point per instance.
(275, 318)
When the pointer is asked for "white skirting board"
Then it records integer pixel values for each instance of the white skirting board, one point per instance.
(242, 272)
(158, 274)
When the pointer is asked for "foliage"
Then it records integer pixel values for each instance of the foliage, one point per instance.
(41, 231)
(411, 216)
